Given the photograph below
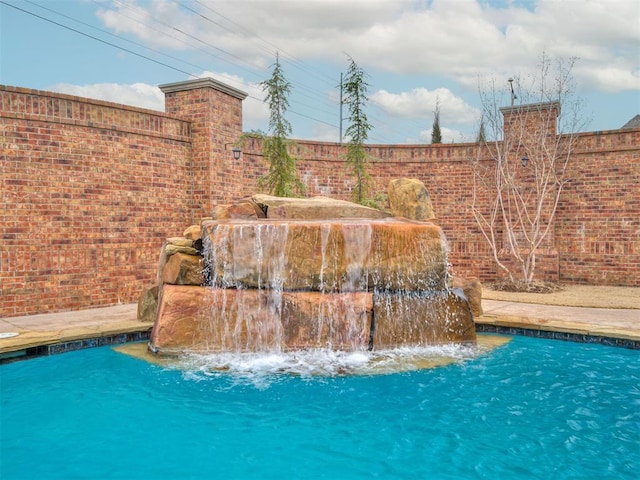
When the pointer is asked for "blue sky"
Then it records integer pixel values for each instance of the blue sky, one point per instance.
(416, 53)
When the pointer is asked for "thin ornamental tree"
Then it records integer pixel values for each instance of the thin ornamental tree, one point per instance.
(522, 165)
(355, 96)
(282, 179)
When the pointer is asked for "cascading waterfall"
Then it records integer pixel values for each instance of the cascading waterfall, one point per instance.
(226, 252)
(290, 284)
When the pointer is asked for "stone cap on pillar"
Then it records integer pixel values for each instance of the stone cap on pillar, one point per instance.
(202, 83)
(531, 117)
(532, 107)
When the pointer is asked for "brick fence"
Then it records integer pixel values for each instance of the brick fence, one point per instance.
(90, 189)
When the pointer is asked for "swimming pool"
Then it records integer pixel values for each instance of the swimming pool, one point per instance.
(531, 408)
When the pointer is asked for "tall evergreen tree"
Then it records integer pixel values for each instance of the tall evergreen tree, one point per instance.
(436, 135)
(355, 96)
(282, 179)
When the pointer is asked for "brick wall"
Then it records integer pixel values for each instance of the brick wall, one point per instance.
(598, 225)
(90, 190)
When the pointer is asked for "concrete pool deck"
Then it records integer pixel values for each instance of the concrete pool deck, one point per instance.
(50, 333)
(612, 326)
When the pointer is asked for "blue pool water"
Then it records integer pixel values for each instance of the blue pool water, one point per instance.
(532, 408)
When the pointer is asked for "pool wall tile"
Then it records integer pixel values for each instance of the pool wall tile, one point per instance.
(88, 343)
(565, 336)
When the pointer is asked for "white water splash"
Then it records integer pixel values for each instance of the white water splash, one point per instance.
(263, 368)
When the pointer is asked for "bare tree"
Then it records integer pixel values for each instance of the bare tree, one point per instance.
(521, 166)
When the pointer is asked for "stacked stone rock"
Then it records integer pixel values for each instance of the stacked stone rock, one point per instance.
(203, 307)
(180, 263)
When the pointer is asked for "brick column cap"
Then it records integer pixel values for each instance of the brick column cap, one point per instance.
(531, 107)
(202, 83)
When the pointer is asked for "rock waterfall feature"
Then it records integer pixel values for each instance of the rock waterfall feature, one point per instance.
(276, 274)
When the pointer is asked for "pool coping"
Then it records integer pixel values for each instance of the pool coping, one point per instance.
(609, 326)
(48, 334)
(52, 333)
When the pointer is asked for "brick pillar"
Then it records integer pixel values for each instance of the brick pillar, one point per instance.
(215, 112)
(531, 121)
(531, 130)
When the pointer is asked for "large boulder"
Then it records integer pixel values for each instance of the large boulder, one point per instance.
(244, 210)
(349, 255)
(339, 321)
(175, 245)
(183, 269)
(316, 208)
(409, 198)
(472, 289)
(193, 233)
(209, 320)
(148, 304)
(421, 319)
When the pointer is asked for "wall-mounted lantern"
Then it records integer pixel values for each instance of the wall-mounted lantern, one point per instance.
(525, 160)
(237, 152)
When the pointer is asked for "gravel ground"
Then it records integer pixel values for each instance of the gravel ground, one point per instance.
(574, 296)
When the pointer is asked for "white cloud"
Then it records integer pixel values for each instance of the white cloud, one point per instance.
(615, 78)
(325, 133)
(159, 23)
(421, 103)
(138, 94)
(458, 39)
